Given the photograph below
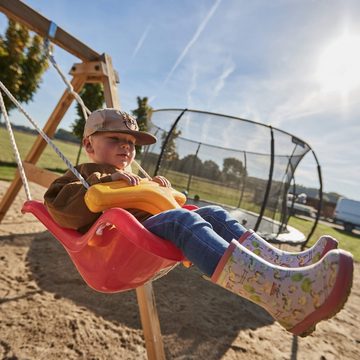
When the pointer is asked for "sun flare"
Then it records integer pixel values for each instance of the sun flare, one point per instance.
(339, 65)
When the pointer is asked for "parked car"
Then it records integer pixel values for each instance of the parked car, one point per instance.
(347, 212)
(298, 206)
(300, 209)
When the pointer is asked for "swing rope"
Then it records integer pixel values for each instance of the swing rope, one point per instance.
(49, 54)
(44, 136)
(85, 110)
(15, 148)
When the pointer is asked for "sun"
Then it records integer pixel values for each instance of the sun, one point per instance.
(339, 65)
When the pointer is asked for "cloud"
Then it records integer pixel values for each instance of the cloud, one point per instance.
(192, 87)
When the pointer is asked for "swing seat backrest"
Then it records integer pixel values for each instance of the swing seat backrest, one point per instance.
(123, 257)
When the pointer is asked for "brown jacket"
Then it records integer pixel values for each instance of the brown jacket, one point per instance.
(65, 197)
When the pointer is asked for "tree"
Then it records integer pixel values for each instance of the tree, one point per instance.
(210, 170)
(22, 63)
(93, 98)
(142, 114)
(233, 170)
(190, 164)
(170, 151)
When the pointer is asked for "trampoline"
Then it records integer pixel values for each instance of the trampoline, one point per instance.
(247, 167)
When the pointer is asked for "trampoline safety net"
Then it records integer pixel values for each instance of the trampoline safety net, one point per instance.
(245, 166)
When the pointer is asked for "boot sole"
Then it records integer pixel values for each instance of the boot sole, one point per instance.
(334, 303)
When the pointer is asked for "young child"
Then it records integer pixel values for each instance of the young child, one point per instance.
(297, 289)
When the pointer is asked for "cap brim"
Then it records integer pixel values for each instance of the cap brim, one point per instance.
(142, 137)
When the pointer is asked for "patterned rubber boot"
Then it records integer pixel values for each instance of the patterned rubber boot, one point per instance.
(297, 298)
(261, 247)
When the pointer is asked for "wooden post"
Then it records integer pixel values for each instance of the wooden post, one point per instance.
(150, 322)
(110, 88)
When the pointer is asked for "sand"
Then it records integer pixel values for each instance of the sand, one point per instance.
(47, 311)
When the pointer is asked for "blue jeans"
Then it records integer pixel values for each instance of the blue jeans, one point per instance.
(202, 235)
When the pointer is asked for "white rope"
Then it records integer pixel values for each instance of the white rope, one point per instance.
(15, 148)
(70, 88)
(48, 53)
(141, 170)
(45, 137)
(85, 110)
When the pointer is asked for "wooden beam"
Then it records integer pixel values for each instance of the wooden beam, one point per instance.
(18, 11)
(38, 175)
(91, 68)
(97, 71)
(150, 322)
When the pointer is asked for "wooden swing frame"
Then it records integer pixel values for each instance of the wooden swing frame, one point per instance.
(95, 68)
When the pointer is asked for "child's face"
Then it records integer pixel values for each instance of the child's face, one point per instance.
(112, 148)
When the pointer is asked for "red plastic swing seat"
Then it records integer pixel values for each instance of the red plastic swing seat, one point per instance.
(121, 258)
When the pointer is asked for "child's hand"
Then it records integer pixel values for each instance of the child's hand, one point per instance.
(130, 178)
(162, 181)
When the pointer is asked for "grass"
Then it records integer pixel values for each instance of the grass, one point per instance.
(7, 172)
(212, 191)
(205, 189)
(48, 159)
(347, 241)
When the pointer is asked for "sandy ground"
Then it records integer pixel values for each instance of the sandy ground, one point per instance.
(47, 312)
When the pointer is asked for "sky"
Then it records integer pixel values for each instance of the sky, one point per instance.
(292, 64)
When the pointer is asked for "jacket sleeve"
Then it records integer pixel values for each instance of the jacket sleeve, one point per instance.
(65, 197)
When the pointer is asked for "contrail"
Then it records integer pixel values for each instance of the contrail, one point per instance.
(141, 41)
(191, 42)
(227, 71)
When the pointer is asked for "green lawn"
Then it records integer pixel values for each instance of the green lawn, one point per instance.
(48, 159)
(205, 189)
(7, 172)
(349, 242)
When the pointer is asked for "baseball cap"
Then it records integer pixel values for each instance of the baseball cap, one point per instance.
(115, 120)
